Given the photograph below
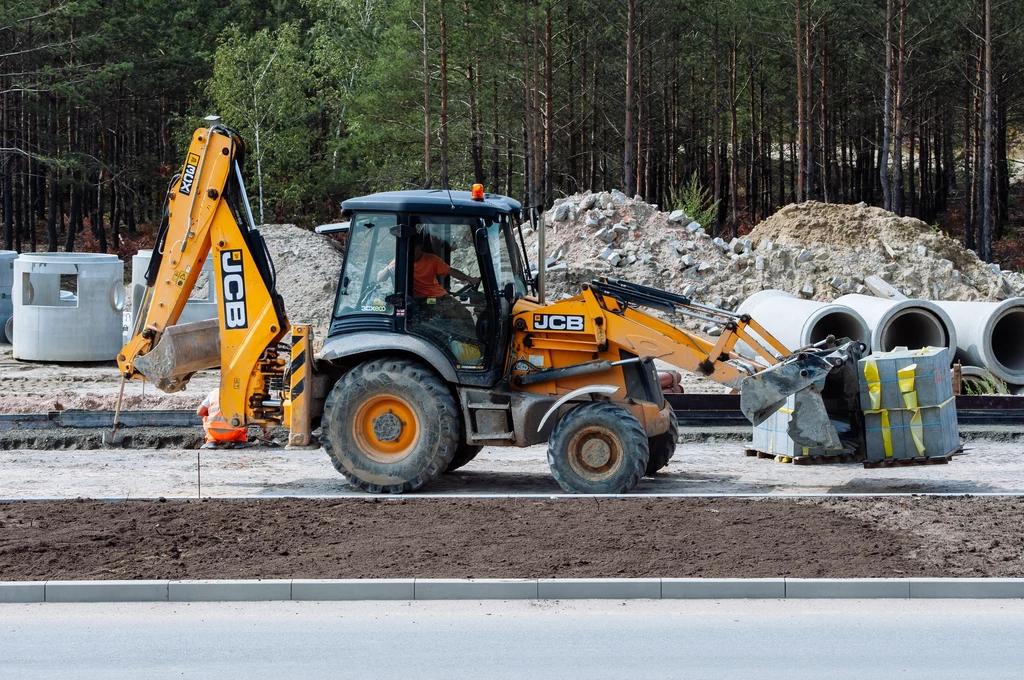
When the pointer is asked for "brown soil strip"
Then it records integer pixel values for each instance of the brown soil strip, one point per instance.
(297, 538)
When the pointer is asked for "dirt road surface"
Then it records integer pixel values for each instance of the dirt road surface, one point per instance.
(698, 468)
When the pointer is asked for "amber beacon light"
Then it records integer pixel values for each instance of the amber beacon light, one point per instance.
(478, 192)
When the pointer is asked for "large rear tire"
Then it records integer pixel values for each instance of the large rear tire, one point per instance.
(463, 455)
(598, 447)
(663, 446)
(390, 425)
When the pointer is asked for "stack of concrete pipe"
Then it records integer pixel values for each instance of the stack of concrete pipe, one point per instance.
(985, 336)
(796, 322)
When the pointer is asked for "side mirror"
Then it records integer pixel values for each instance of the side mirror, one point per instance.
(509, 293)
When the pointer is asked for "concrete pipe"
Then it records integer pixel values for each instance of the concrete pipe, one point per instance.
(7, 258)
(67, 306)
(990, 334)
(196, 309)
(903, 323)
(796, 322)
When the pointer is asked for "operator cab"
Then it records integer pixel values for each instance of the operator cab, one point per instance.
(442, 267)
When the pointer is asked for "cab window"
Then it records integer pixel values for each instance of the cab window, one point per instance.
(369, 258)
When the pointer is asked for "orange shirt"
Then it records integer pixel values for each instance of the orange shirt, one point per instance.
(424, 276)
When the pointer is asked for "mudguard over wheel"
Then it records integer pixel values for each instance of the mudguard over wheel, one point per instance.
(390, 425)
(598, 447)
(663, 446)
(463, 454)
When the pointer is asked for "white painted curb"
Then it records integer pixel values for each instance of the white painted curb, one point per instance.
(507, 589)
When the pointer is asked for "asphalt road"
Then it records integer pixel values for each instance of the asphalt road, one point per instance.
(710, 467)
(582, 639)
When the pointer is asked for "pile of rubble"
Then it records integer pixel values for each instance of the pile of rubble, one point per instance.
(815, 250)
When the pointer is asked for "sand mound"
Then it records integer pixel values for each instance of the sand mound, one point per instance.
(308, 268)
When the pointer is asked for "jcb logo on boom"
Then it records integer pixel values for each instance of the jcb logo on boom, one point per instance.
(232, 277)
(188, 177)
(557, 322)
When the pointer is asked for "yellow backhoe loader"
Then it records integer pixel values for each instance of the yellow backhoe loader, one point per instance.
(441, 341)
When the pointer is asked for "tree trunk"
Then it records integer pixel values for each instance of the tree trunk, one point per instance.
(628, 158)
(883, 172)
(985, 237)
(444, 97)
(734, 174)
(426, 102)
(801, 115)
(548, 120)
(897, 170)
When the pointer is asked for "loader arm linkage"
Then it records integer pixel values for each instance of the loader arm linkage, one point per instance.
(613, 324)
(206, 210)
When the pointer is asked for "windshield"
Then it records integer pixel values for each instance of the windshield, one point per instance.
(371, 250)
(508, 267)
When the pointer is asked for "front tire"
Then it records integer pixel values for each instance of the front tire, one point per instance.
(598, 447)
(390, 425)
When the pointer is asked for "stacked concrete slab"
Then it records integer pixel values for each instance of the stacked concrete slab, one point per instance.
(772, 436)
(907, 400)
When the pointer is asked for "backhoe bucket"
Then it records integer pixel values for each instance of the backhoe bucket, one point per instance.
(766, 392)
(181, 351)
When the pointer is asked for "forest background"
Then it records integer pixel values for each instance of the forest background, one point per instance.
(912, 105)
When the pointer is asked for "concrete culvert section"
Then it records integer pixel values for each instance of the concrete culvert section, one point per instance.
(990, 334)
(67, 306)
(796, 322)
(905, 323)
(7, 258)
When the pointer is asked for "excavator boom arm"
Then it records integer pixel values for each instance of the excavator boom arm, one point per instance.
(206, 211)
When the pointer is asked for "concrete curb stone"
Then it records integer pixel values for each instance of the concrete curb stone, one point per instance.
(966, 588)
(476, 589)
(229, 591)
(839, 588)
(354, 589)
(22, 591)
(599, 588)
(106, 591)
(722, 588)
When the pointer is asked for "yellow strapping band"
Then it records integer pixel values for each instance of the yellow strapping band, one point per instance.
(886, 434)
(906, 376)
(874, 385)
(916, 431)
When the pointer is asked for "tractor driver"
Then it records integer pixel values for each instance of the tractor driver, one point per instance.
(426, 272)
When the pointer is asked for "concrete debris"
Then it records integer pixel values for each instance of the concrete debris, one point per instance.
(677, 216)
(815, 250)
(687, 261)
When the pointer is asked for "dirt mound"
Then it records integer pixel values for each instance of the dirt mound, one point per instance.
(816, 250)
(307, 268)
(839, 225)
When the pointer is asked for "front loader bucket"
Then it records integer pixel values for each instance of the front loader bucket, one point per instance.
(766, 392)
(181, 351)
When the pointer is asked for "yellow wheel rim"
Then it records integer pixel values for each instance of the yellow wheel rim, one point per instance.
(385, 428)
(594, 453)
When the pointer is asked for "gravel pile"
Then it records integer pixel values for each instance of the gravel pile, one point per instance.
(815, 250)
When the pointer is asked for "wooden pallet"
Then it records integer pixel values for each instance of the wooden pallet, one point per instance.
(905, 462)
(845, 457)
